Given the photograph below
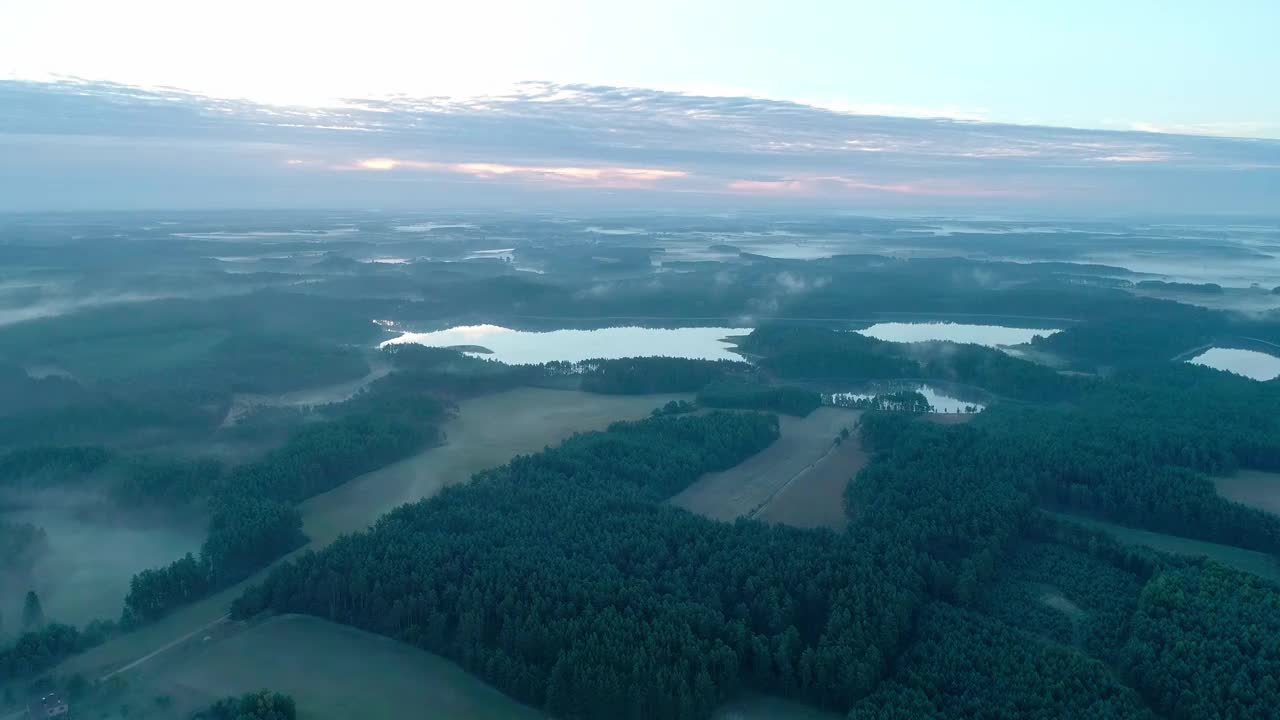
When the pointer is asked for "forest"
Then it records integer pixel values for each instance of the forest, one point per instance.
(961, 589)
(949, 580)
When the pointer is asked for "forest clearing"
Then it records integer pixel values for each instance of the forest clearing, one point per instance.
(744, 489)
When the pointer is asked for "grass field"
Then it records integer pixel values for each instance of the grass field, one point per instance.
(1259, 564)
(334, 671)
(1253, 488)
(815, 497)
(744, 489)
(486, 432)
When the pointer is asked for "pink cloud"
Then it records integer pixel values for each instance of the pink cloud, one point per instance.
(609, 176)
(835, 184)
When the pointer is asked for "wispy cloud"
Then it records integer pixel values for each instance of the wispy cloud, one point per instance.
(151, 145)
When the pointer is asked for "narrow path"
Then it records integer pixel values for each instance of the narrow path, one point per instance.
(152, 655)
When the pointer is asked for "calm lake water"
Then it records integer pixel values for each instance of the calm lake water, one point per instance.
(521, 347)
(989, 335)
(1249, 363)
(941, 401)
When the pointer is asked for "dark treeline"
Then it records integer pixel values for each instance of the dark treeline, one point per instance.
(562, 579)
(638, 376)
(253, 518)
(773, 398)
(822, 354)
(36, 651)
(909, 401)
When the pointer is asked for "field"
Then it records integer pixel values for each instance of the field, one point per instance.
(751, 485)
(815, 497)
(1259, 564)
(1253, 488)
(486, 432)
(336, 673)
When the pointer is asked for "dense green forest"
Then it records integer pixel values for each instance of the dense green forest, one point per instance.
(773, 398)
(812, 353)
(566, 580)
(562, 579)
(965, 665)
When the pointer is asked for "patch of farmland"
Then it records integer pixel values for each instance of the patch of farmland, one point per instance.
(815, 497)
(749, 486)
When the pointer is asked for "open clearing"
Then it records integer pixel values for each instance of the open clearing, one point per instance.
(1253, 488)
(334, 671)
(1250, 561)
(815, 497)
(487, 431)
(747, 487)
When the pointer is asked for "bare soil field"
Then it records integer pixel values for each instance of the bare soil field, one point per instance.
(1250, 561)
(1253, 488)
(815, 497)
(746, 488)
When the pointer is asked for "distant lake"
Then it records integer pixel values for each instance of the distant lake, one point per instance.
(941, 401)
(1249, 363)
(989, 335)
(521, 347)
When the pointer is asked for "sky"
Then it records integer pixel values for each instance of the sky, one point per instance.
(1074, 107)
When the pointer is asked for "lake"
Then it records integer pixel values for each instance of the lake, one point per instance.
(988, 335)
(1249, 363)
(523, 347)
(941, 401)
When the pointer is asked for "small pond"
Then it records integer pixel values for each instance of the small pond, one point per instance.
(940, 400)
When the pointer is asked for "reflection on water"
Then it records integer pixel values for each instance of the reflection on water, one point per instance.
(940, 401)
(520, 347)
(1249, 363)
(989, 335)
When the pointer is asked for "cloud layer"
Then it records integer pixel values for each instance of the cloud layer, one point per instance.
(96, 145)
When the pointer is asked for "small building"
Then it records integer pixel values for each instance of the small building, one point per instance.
(49, 706)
